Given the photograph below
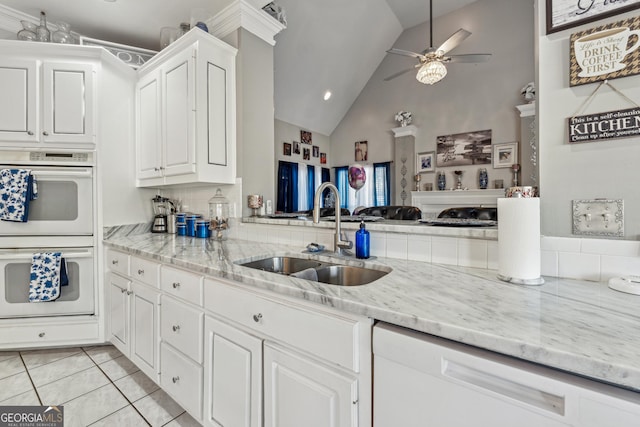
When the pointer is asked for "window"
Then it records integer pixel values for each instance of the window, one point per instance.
(375, 192)
(297, 184)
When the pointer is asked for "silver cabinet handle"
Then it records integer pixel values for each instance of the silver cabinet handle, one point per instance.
(176, 328)
(114, 262)
(122, 291)
(29, 132)
(129, 292)
(176, 285)
(161, 168)
(45, 133)
(175, 379)
(141, 272)
(257, 317)
(41, 334)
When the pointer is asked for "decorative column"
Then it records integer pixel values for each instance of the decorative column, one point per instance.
(529, 156)
(404, 164)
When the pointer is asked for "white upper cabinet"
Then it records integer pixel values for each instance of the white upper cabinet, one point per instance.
(185, 113)
(46, 103)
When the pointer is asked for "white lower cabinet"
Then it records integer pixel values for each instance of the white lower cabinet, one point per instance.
(423, 380)
(181, 377)
(301, 392)
(232, 376)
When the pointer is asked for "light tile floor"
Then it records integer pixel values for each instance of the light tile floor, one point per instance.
(97, 386)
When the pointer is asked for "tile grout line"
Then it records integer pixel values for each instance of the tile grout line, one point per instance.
(26, 369)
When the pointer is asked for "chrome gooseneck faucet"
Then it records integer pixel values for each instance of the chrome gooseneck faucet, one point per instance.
(338, 244)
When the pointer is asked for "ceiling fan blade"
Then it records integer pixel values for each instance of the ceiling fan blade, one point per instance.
(405, 53)
(472, 57)
(399, 73)
(453, 41)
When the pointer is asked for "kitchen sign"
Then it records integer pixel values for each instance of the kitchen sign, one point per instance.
(606, 52)
(608, 125)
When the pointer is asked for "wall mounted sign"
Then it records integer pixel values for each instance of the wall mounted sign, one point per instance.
(605, 52)
(563, 14)
(608, 125)
(132, 56)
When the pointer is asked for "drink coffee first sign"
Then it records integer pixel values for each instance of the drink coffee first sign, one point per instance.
(608, 125)
(606, 52)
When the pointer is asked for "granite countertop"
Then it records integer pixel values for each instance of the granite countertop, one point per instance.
(577, 326)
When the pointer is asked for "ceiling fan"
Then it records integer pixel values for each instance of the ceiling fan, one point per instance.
(431, 60)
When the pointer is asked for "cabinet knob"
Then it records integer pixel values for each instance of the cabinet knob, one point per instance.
(114, 262)
(45, 133)
(161, 168)
(176, 285)
(257, 317)
(122, 291)
(176, 328)
(129, 292)
(156, 169)
(29, 132)
(41, 334)
(175, 379)
(141, 272)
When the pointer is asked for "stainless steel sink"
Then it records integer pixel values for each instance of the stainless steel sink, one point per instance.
(327, 272)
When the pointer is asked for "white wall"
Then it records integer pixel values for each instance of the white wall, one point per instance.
(604, 169)
(471, 97)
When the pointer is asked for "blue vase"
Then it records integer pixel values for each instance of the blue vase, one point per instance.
(442, 181)
(483, 179)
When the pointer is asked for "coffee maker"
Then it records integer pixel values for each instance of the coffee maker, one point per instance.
(161, 208)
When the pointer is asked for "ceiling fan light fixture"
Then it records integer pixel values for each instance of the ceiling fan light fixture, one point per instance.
(431, 72)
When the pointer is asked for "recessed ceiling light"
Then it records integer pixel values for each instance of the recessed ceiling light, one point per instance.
(327, 95)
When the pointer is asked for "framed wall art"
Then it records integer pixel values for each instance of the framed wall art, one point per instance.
(563, 14)
(361, 151)
(464, 149)
(306, 154)
(286, 149)
(323, 158)
(296, 147)
(505, 155)
(305, 137)
(426, 162)
(315, 151)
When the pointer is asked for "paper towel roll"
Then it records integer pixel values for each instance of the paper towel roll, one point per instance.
(519, 240)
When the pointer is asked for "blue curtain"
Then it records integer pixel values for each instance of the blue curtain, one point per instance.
(311, 185)
(382, 180)
(287, 187)
(342, 182)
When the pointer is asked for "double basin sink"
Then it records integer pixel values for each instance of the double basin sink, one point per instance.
(319, 271)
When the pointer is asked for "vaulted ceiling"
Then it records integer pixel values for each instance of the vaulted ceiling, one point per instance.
(331, 45)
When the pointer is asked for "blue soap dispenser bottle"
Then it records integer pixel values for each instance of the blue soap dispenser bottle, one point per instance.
(362, 242)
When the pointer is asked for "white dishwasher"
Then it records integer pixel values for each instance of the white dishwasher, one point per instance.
(421, 380)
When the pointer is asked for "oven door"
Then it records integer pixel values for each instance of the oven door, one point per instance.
(64, 205)
(75, 298)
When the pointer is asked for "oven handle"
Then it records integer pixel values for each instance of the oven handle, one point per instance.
(62, 173)
(27, 255)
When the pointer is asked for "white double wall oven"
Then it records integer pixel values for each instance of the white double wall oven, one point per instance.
(62, 218)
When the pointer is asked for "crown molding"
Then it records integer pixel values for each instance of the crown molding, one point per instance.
(10, 19)
(409, 130)
(242, 14)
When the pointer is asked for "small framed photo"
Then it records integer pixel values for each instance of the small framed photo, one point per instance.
(323, 158)
(286, 149)
(361, 151)
(306, 154)
(426, 162)
(316, 151)
(305, 137)
(505, 155)
(296, 147)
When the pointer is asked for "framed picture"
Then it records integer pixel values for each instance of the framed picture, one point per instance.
(306, 154)
(286, 149)
(426, 162)
(305, 137)
(296, 147)
(464, 149)
(323, 158)
(316, 151)
(563, 14)
(361, 151)
(505, 155)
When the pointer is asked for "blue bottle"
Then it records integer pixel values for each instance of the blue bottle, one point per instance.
(362, 242)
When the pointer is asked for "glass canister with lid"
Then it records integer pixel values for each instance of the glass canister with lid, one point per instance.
(219, 214)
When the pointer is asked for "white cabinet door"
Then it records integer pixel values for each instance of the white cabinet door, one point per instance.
(145, 340)
(68, 102)
(299, 392)
(119, 312)
(178, 117)
(149, 153)
(18, 103)
(233, 377)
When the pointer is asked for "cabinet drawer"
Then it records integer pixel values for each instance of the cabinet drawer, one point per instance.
(182, 379)
(328, 336)
(48, 334)
(118, 262)
(181, 284)
(145, 271)
(182, 327)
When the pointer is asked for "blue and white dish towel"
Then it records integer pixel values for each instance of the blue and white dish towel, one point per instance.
(17, 188)
(45, 277)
